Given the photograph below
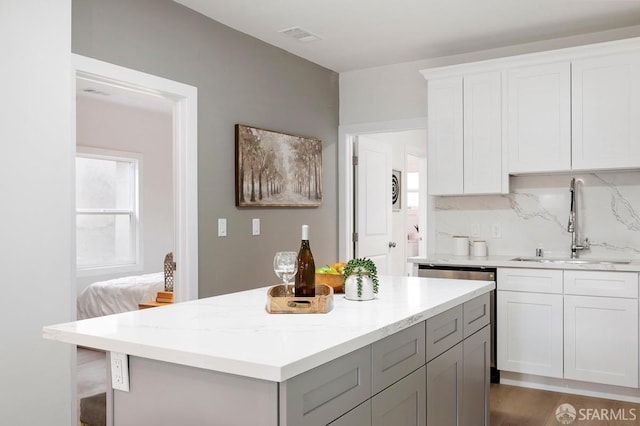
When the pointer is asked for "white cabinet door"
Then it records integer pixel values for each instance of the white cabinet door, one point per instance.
(601, 340)
(445, 159)
(529, 328)
(538, 128)
(605, 111)
(483, 134)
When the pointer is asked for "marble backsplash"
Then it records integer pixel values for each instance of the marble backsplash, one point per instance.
(536, 212)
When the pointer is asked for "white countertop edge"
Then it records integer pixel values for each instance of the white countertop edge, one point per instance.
(254, 369)
(508, 262)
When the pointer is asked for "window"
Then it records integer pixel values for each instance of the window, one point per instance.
(107, 211)
(413, 190)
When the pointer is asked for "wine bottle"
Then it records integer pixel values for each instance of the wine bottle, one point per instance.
(305, 285)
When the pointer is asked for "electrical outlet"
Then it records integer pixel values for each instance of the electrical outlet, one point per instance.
(120, 371)
(475, 230)
(255, 227)
(496, 230)
(222, 227)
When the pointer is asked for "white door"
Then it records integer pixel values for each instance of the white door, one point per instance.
(373, 225)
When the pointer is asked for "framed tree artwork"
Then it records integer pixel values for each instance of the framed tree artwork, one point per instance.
(276, 169)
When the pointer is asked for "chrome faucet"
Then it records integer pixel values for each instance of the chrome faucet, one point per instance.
(573, 224)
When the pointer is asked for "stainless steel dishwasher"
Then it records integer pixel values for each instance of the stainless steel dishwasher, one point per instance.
(469, 273)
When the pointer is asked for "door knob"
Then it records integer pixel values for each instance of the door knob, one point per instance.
(392, 244)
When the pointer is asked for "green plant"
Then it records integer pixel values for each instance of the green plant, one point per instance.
(359, 267)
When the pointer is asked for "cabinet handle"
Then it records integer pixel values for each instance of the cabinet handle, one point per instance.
(392, 244)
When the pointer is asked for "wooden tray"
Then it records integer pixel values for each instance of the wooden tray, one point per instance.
(277, 303)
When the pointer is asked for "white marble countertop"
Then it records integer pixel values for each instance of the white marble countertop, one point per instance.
(508, 262)
(234, 334)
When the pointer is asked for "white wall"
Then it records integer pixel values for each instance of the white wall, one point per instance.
(399, 91)
(35, 220)
(108, 125)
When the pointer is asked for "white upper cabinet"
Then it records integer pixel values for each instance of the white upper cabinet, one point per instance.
(483, 133)
(538, 118)
(465, 135)
(606, 111)
(445, 158)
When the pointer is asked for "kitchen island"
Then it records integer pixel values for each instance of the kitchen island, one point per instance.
(225, 360)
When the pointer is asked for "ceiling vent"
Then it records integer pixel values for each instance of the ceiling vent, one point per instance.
(300, 34)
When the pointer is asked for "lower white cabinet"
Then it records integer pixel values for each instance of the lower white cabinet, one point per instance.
(588, 331)
(529, 329)
(601, 340)
(402, 404)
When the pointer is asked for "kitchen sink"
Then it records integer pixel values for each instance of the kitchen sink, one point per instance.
(573, 261)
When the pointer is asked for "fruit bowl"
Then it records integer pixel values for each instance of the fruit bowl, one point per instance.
(332, 280)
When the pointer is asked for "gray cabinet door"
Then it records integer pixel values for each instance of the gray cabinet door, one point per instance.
(359, 416)
(323, 394)
(395, 356)
(475, 388)
(444, 387)
(443, 331)
(476, 314)
(403, 403)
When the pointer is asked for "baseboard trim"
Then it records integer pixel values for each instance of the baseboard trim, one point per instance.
(618, 393)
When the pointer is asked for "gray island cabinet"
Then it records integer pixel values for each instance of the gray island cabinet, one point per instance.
(418, 354)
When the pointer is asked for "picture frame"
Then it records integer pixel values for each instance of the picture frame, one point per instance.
(275, 169)
(396, 190)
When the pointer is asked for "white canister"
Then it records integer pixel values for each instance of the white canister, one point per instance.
(479, 248)
(460, 245)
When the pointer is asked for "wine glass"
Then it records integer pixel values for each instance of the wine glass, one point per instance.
(285, 265)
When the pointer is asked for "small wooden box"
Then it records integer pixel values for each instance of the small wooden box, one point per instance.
(277, 303)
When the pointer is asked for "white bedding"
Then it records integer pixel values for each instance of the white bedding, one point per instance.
(118, 295)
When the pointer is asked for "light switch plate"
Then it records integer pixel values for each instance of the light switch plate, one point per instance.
(222, 227)
(255, 227)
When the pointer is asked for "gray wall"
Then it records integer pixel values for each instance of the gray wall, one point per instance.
(240, 80)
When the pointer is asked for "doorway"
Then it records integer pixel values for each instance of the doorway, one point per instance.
(181, 100)
(407, 140)
(183, 103)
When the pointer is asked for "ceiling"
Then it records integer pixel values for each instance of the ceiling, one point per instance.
(102, 91)
(357, 34)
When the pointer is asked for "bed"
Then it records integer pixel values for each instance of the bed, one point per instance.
(119, 295)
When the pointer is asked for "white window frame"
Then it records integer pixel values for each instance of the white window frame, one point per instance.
(136, 223)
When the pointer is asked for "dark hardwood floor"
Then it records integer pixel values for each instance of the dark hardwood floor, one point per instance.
(517, 406)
